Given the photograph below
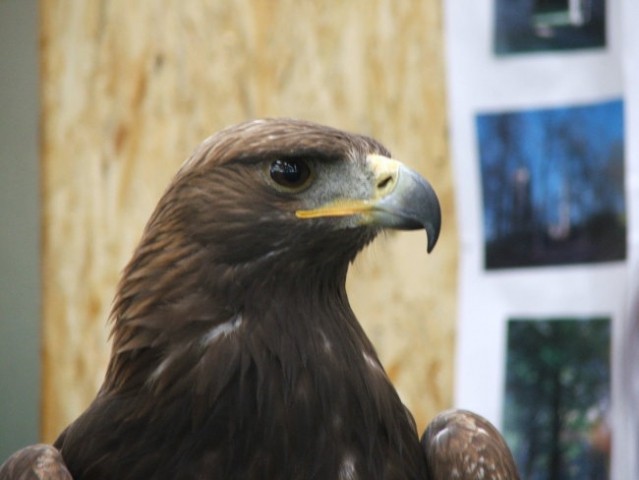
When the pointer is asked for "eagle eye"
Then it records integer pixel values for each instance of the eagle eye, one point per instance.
(290, 173)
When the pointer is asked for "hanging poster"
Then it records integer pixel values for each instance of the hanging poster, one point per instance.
(540, 116)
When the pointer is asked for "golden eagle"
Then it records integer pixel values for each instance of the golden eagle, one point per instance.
(235, 352)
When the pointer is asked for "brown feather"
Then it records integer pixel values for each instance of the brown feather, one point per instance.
(462, 445)
(35, 462)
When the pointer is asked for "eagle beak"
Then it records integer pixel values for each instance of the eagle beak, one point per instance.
(402, 199)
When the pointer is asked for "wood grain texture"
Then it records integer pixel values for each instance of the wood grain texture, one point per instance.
(130, 88)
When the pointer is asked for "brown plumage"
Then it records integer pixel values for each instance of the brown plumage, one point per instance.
(235, 352)
(461, 445)
(36, 462)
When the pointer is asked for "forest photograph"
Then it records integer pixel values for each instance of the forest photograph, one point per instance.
(557, 397)
(552, 185)
(548, 25)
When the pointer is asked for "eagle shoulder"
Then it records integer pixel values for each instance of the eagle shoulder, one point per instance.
(35, 462)
(463, 445)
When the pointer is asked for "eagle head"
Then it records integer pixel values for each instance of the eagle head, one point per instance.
(268, 186)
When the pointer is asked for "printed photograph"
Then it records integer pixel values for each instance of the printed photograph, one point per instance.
(548, 25)
(553, 186)
(556, 414)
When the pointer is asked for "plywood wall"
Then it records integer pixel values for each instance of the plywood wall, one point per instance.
(130, 88)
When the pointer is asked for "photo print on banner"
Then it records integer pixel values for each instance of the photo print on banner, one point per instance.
(557, 401)
(553, 185)
(547, 25)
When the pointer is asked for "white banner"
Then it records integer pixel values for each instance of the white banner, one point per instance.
(541, 108)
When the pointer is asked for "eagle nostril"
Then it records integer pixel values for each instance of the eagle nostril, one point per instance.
(384, 182)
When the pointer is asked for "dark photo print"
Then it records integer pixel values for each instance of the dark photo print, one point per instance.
(553, 186)
(556, 416)
(548, 25)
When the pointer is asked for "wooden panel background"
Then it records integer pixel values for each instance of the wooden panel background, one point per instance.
(130, 88)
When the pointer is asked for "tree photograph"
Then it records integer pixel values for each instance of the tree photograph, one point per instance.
(553, 185)
(557, 397)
